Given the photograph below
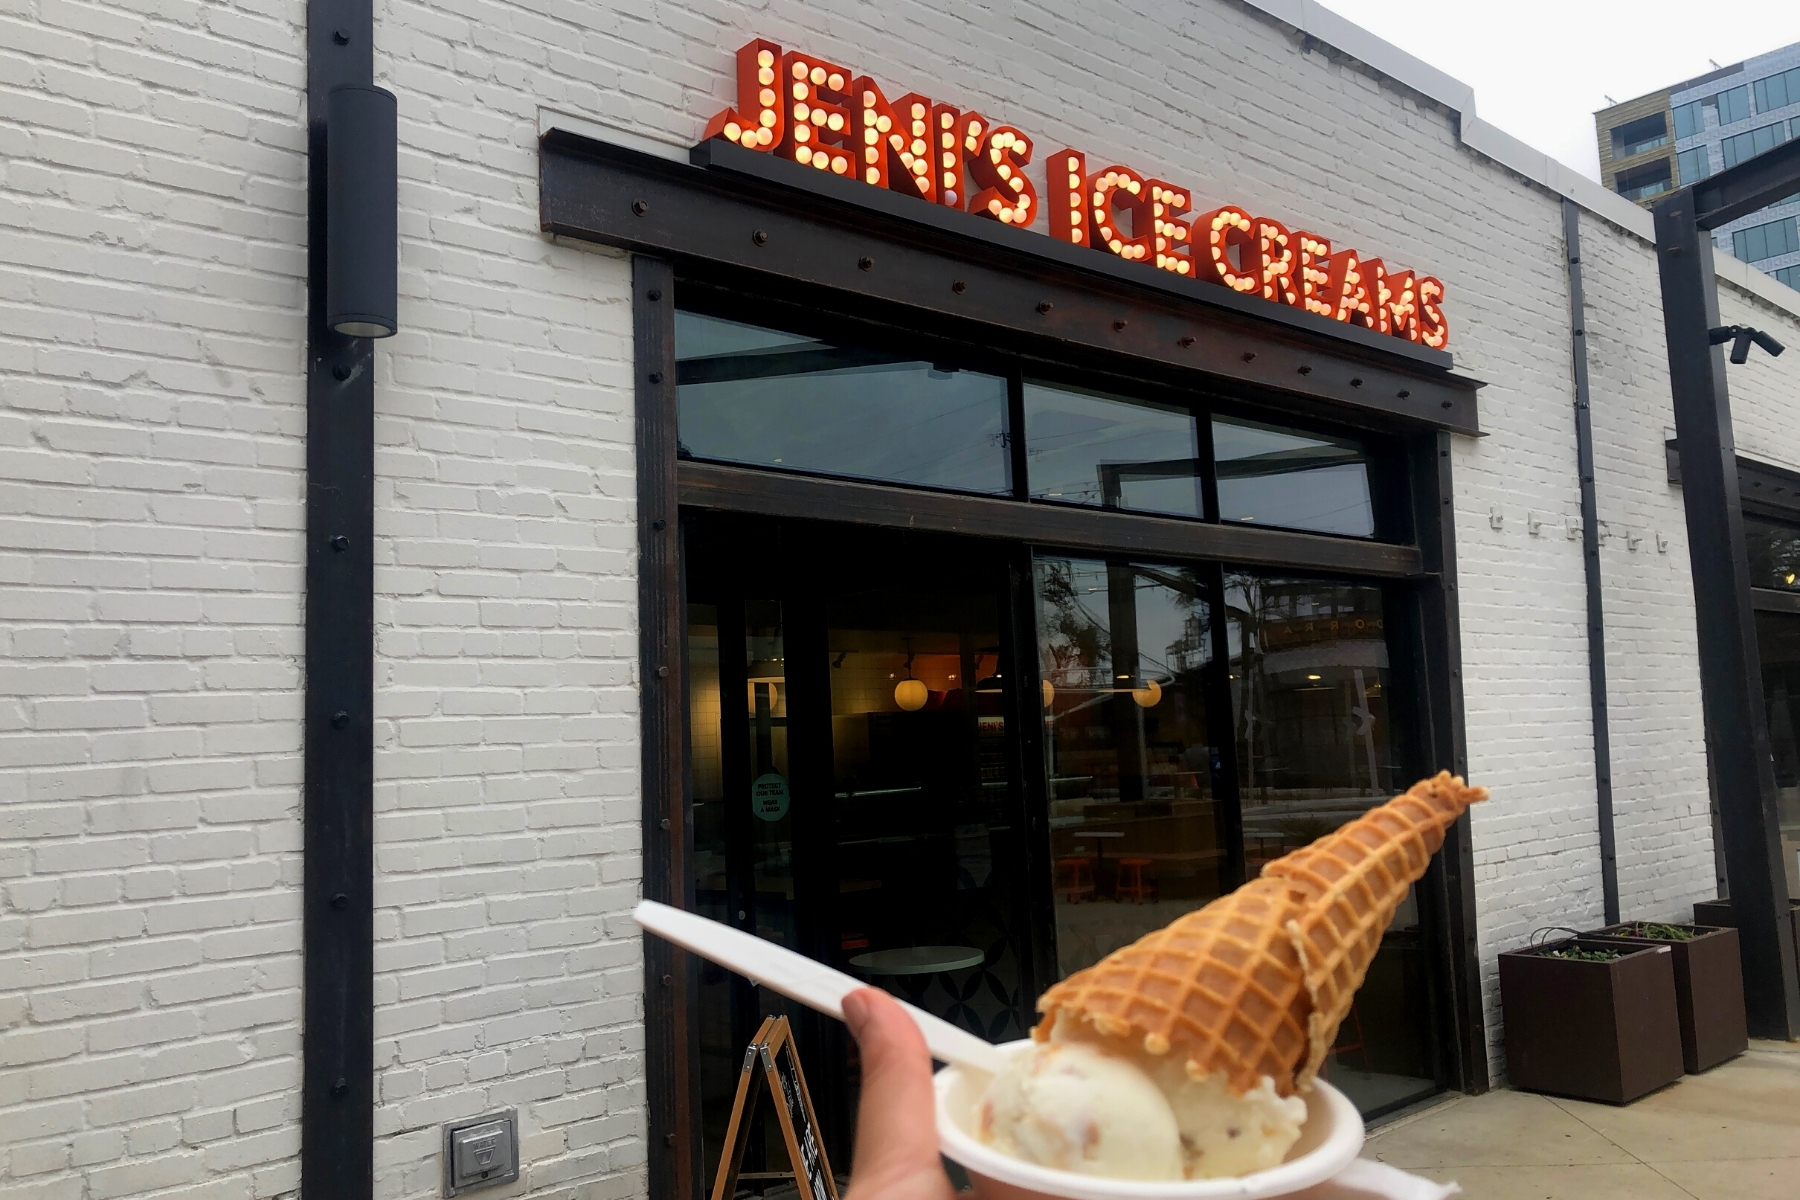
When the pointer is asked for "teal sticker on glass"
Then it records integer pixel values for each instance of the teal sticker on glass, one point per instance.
(769, 797)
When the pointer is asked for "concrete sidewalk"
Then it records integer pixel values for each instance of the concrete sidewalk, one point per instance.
(1730, 1134)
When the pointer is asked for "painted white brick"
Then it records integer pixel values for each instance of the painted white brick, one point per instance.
(151, 513)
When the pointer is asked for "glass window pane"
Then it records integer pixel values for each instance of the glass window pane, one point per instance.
(1734, 105)
(1695, 165)
(1136, 829)
(1309, 679)
(1290, 479)
(1774, 553)
(1778, 642)
(1090, 448)
(767, 398)
(1688, 120)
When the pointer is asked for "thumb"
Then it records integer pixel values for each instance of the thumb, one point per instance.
(896, 1126)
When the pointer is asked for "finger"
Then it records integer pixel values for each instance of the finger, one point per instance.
(896, 1128)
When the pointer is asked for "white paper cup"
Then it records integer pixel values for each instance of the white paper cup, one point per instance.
(1329, 1141)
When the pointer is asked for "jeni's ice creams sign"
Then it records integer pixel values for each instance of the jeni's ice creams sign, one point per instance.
(819, 114)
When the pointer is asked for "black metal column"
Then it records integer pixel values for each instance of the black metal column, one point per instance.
(1590, 558)
(1434, 632)
(338, 1098)
(1730, 669)
(671, 985)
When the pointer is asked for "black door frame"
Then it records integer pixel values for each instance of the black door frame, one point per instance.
(676, 218)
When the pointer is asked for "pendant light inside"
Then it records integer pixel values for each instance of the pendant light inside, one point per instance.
(911, 694)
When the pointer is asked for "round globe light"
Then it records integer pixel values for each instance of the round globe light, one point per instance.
(911, 694)
(1148, 695)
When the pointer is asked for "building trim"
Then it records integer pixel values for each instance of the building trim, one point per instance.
(912, 263)
(1066, 527)
(337, 1125)
(1590, 556)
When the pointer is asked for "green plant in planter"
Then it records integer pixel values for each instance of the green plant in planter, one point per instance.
(1577, 954)
(1655, 932)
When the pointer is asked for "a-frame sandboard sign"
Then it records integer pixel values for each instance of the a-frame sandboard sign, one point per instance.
(771, 1060)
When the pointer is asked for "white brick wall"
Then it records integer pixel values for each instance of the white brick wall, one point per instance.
(151, 230)
(151, 295)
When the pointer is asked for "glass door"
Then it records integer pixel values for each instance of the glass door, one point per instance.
(1135, 750)
(1778, 642)
(1316, 748)
(856, 789)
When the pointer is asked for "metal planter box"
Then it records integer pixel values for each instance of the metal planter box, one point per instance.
(1719, 912)
(1605, 1031)
(1709, 992)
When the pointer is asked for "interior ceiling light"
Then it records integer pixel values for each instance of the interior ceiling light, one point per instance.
(911, 694)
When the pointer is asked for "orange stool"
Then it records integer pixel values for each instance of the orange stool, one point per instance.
(1075, 879)
(1132, 882)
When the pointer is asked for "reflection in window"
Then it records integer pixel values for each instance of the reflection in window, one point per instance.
(1740, 146)
(1774, 553)
(1769, 240)
(1294, 480)
(1089, 448)
(1733, 105)
(1309, 677)
(1690, 119)
(1778, 642)
(1694, 164)
(759, 396)
(1134, 806)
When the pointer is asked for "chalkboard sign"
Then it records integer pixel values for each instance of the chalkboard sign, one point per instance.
(772, 1062)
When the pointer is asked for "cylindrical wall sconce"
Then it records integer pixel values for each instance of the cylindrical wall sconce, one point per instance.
(361, 212)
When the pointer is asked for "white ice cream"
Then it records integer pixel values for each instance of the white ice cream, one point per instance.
(1223, 1133)
(1077, 1104)
(1075, 1108)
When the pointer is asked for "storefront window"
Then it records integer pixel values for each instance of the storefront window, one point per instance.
(1293, 480)
(1135, 814)
(772, 399)
(1309, 679)
(1774, 553)
(1778, 642)
(1089, 448)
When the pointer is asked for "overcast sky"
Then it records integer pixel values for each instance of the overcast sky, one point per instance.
(1541, 67)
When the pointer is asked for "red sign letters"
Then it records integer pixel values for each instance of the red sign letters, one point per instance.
(821, 115)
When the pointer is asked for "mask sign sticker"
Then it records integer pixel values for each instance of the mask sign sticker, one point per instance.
(769, 797)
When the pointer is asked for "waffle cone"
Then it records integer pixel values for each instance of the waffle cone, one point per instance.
(1355, 878)
(1222, 985)
(1256, 982)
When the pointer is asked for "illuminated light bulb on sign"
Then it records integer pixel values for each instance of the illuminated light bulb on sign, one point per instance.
(1170, 232)
(819, 115)
(1117, 193)
(1275, 259)
(1068, 179)
(1434, 331)
(1315, 273)
(756, 121)
(1007, 194)
(1231, 250)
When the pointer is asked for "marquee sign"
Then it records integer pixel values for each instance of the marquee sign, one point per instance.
(816, 113)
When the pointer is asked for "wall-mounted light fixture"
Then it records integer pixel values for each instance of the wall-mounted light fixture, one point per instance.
(361, 217)
(1740, 337)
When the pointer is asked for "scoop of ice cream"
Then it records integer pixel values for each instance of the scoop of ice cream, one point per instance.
(1225, 1134)
(1074, 1107)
